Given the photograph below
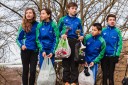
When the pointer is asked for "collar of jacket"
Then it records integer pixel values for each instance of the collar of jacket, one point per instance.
(46, 23)
(110, 27)
(72, 16)
(96, 37)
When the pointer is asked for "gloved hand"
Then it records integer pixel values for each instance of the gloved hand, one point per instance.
(86, 71)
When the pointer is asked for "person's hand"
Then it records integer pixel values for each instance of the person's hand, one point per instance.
(91, 64)
(86, 64)
(23, 47)
(50, 55)
(81, 38)
(64, 36)
(44, 54)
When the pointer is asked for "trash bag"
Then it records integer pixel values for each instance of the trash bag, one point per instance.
(47, 75)
(125, 81)
(86, 80)
(63, 49)
(79, 54)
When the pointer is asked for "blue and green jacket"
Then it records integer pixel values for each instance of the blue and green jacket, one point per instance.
(47, 36)
(27, 39)
(73, 23)
(95, 48)
(113, 38)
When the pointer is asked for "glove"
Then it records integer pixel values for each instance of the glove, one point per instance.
(86, 71)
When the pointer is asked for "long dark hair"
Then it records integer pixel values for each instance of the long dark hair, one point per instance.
(27, 24)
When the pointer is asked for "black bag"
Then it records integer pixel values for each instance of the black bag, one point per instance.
(125, 79)
(79, 54)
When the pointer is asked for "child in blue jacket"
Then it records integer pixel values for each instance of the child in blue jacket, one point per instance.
(95, 48)
(112, 36)
(46, 36)
(70, 72)
(26, 40)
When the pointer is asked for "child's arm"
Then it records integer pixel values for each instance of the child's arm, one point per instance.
(100, 56)
(38, 38)
(119, 47)
(56, 37)
(81, 28)
(60, 24)
(81, 33)
(20, 37)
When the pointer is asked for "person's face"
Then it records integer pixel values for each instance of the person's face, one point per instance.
(44, 15)
(111, 21)
(29, 14)
(72, 11)
(95, 31)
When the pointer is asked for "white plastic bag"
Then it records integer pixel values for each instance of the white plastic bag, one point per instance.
(63, 49)
(47, 75)
(86, 80)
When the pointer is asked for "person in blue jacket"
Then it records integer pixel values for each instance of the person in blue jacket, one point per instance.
(113, 38)
(71, 23)
(95, 48)
(26, 40)
(46, 35)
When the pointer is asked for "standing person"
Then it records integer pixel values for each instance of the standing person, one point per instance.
(47, 36)
(113, 38)
(70, 21)
(26, 40)
(95, 48)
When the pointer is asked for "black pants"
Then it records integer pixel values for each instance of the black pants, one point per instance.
(29, 61)
(70, 71)
(108, 68)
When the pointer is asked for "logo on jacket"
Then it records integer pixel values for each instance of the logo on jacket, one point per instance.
(88, 43)
(50, 31)
(66, 20)
(43, 29)
(104, 33)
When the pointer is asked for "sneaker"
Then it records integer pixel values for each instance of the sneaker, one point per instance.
(66, 83)
(73, 83)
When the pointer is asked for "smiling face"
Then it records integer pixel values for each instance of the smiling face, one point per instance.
(72, 11)
(111, 21)
(29, 14)
(95, 31)
(44, 15)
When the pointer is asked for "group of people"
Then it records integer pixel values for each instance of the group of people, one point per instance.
(102, 44)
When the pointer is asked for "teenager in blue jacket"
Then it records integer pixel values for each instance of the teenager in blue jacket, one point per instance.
(95, 48)
(26, 40)
(47, 36)
(113, 38)
(70, 21)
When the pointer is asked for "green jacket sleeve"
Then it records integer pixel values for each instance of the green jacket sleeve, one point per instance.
(56, 30)
(60, 26)
(103, 47)
(20, 37)
(119, 47)
(39, 45)
(86, 37)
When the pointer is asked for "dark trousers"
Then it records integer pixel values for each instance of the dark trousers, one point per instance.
(70, 71)
(29, 61)
(108, 68)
